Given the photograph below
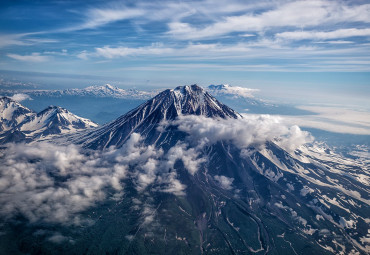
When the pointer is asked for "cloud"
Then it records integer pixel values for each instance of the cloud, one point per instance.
(318, 35)
(7, 40)
(154, 49)
(45, 182)
(52, 183)
(292, 14)
(98, 17)
(288, 55)
(34, 57)
(252, 130)
(234, 91)
(83, 55)
(20, 97)
(224, 182)
(21, 39)
(57, 238)
(333, 119)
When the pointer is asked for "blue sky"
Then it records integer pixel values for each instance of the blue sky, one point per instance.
(290, 45)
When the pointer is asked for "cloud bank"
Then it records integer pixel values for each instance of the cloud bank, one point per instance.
(334, 119)
(55, 184)
(252, 130)
(52, 183)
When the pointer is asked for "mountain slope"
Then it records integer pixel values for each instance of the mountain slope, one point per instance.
(12, 113)
(168, 105)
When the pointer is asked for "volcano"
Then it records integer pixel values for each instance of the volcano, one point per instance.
(202, 179)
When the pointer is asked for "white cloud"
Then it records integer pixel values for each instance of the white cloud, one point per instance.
(51, 183)
(99, 17)
(263, 48)
(20, 97)
(57, 238)
(333, 119)
(319, 35)
(292, 14)
(252, 130)
(21, 39)
(234, 91)
(224, 182)
(336, 42)
(7, 40)
(34, 57)
(154, 49)
(29, 176)
(83, 55)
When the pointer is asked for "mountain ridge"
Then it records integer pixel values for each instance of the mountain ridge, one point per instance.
(106, 90)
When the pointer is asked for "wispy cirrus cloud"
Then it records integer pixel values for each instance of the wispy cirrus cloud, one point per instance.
(262, 35)
(154, 49)
(321, 35)
(7, 40)
(34, 57)
(312, 13)
(100, 17)
(25, 39)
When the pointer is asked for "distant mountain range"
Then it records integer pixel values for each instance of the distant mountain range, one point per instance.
(193, 176)
(106, 90)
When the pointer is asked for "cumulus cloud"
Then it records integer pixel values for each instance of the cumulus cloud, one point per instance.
(52, 183)
(20, 97)
(234, 91)
(224, 182)
(251, 130)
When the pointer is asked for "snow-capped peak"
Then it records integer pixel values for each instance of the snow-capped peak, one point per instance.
(194, 100)
(55, 119)
(12, 113)
(167, 105)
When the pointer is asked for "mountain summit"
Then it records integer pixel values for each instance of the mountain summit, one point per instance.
(12, 113)
(168, 105)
